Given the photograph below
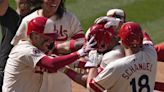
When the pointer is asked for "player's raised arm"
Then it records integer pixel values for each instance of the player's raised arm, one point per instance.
(42, 28)
(53, 64)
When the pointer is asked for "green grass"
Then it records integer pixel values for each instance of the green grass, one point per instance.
(149, 13)
(12, 3)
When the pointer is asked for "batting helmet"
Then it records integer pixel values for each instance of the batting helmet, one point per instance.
(42, 25)
(131, 34)
(103, 36)
(117, 13)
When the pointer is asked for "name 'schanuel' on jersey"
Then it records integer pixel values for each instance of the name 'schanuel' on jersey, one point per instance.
(136, 67)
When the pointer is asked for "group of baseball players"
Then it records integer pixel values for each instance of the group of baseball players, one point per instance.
(117, 55)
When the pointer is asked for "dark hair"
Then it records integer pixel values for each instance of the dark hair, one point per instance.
(35, 5)
(61, 9)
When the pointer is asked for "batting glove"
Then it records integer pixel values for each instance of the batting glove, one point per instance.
(89, 46)
(94, 59)
(110, 21)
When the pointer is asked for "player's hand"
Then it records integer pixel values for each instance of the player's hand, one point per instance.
(88, 47)
(99, 18)
(110, 21)
(94, 59)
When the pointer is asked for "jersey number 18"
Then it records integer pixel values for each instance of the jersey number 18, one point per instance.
(143, 83)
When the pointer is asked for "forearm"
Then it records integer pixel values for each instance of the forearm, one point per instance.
(77, 77)
(62, 48)
(53, 64)
(68, 46)
(93, 72)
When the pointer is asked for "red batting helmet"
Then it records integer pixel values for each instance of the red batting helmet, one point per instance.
(43, 26)
(131, 34)
(103, 36)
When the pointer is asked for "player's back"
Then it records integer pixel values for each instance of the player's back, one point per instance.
(134, 73)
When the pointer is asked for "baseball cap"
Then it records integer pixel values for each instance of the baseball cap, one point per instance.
(117, 13)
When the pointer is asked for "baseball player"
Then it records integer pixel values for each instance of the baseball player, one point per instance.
(107, 50)
(71, 38)
(107, 43)
(133, 73)
(114, 51)
(66, 24)
(120, 14)
(115, 18)
(27, 60)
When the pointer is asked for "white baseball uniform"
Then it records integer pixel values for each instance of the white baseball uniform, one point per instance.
(68, 27)
(21, 73)
(116, 53)
(134, 73)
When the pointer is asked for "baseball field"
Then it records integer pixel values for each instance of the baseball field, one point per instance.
(149, 13)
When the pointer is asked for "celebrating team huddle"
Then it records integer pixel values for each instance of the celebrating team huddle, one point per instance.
(117, 55)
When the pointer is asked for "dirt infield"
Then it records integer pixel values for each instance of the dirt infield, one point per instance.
(78, 88)
(160, 72)
(160, 78)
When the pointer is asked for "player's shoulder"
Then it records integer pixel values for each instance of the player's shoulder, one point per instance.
(116, 49)
(150, 51)
(148, 47)
(30, 16)
(25, 47)
(122, 62)
(118, 65)
(116, 53)
(69, 15)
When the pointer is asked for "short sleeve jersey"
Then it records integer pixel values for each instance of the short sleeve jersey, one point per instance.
(68, 27)
(116, 53)
(134, 73)
(20, 71)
